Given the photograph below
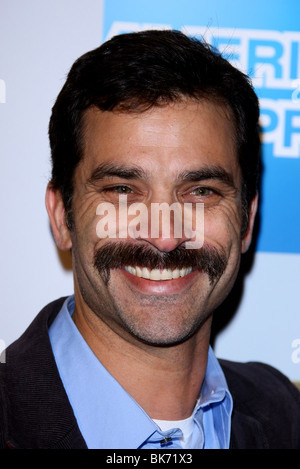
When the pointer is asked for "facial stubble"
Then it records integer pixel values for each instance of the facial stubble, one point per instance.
(163, 330)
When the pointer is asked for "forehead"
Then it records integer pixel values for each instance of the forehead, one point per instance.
(163, 140)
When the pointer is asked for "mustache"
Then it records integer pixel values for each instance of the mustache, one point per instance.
(112, 255)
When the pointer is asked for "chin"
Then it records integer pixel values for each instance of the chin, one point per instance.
(163, 332)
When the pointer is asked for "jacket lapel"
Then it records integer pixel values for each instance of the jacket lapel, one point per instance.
(246, 432)
(38, 414)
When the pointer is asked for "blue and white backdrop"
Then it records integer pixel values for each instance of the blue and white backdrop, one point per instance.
(39, 41)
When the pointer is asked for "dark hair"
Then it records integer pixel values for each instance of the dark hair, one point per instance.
(136, 71)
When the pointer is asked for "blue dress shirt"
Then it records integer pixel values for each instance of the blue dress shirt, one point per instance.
(108, 417)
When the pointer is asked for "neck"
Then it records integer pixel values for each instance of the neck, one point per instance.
(166, 381)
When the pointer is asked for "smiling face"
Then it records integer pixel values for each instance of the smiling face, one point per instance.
(181, 153)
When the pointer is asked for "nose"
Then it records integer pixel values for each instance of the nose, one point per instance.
(165, 225)
(164, 244)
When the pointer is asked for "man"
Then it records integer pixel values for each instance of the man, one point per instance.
(148, 118)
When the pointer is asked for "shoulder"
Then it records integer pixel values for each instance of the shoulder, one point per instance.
(265, 396)
(29, 379)
(258, 377)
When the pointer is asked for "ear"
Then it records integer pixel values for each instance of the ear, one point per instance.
(246, 240)
(56, 212)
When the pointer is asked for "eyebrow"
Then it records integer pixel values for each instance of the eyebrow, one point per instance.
(107, 170)
(209, 172)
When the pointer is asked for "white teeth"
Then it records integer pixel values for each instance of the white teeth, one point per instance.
(166, 274)
(157, 274)
(176, 273)
(132, 270)
(154, 274)
(145, 272)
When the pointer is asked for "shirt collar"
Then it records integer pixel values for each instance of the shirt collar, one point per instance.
(215, 406)
(214, 388)
(107, 416)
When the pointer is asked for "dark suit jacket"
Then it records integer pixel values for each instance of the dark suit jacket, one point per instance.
(35, 412)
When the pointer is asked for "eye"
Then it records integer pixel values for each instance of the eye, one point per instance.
(202, 191)
(121, 189)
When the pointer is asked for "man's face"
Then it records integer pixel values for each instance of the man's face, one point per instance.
(177, 153)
